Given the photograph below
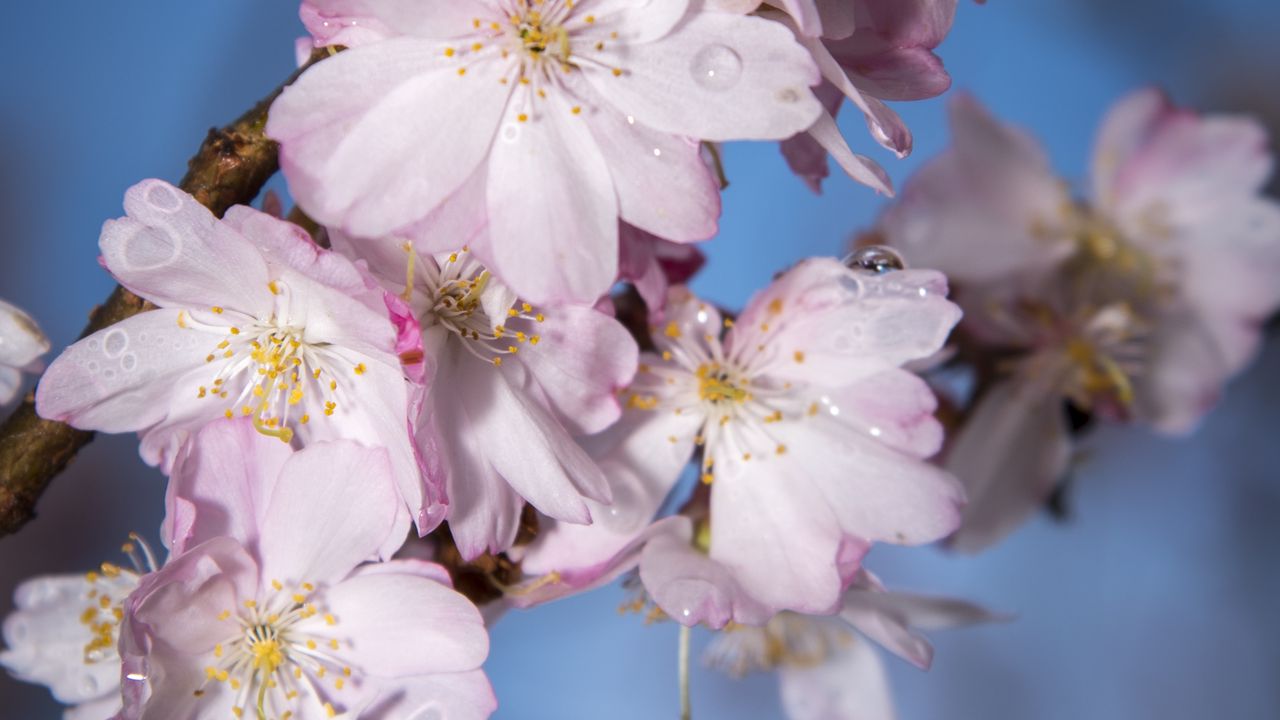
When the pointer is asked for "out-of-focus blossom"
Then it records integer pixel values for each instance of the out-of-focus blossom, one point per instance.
(64, 630)
(254, 320)
(812, 436)
(829, 672)
(21, 346)
(869, 51)
(261, 615)
(513, 384)
(556, 119)
(1136, 302)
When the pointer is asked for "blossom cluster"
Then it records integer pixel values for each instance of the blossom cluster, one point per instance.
(440, 356)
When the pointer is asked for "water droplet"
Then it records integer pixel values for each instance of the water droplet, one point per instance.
(510, 132)
(93, 366)
(129, 362)
(150, 248)
(657, 152)
(631, 120)
(716, 67)
(115, 343)
(163, 198)
(876, 259)
(109, 374)
(93, 344)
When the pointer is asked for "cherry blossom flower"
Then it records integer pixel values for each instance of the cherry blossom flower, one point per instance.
(64, 630)
(827, 671)
(21, 346)
(513, 385)
(261, 616)
(1137, 302)
(812, 436)
(577, 114)
(254, 320)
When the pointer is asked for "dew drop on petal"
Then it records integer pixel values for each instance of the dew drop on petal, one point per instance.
(115, 343)
(151, 249)
(163, 198)
(876, 259)
(510, 132)
(129, 362)
(716, 67)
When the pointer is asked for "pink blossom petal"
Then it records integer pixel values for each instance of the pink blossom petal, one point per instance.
(549, 186)
(895, 407)
(582, 558)
(1128, 125)
(288, 245)
(174, 605)
(859, 167)
(642, 465)
(892, 619)
(874, 492)
(1010, 455)
(805, 155)
(850, 684)
(693, 588)
(121, 379)
(824, 320)
(448, 696)
(530, 450)
(776, 532)
(222, 481)
(582, 359)
(357, 130)
(760, 89)
(972, 211)
(907, 22)
(663, 184)
(394, 625)
(171, 250)
(434, 20)
(333, 506)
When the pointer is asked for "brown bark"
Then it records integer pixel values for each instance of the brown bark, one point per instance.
(232, 165)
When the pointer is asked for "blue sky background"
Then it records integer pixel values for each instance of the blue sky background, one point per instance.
(1157, 600)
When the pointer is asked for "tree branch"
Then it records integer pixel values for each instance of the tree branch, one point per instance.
(232, 165)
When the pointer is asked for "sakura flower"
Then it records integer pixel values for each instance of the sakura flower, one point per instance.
(577, 114)
(261, 616)
(21, 345)
(254, 320)
(64, 631)
(1135, 303)
(514, 384)
(813, 436)
(825, 669)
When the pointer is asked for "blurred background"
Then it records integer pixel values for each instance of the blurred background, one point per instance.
(1157, 599)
